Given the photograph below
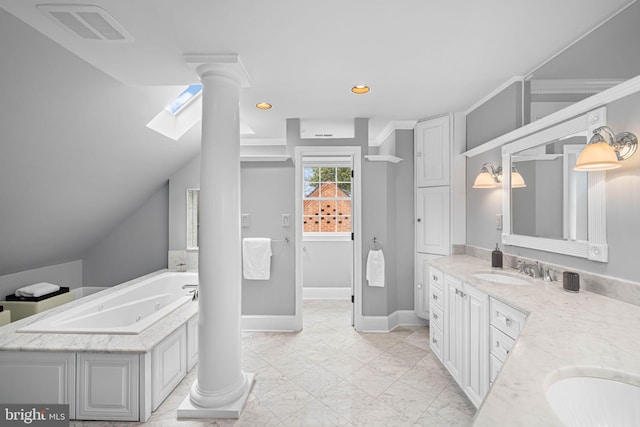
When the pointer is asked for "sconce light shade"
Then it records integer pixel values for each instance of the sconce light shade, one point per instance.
(484, 180)
(517, 181)
(488, 177)
(599, 156)
(605, 150)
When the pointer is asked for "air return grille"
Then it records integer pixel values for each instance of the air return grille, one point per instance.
(87, 22)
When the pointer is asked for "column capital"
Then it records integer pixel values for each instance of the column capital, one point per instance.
(225, 64)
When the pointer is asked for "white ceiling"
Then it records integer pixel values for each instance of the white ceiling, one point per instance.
(76, 157)
(420, 57)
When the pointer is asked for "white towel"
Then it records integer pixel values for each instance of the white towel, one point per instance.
(37, 290)
(375, 268)
(256, 258)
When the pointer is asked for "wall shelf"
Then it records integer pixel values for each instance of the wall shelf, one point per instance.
(265, 158)
(382, 158)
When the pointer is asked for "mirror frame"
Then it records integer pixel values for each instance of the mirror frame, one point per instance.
(595, 248)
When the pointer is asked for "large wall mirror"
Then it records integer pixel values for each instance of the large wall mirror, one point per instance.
(557, 209)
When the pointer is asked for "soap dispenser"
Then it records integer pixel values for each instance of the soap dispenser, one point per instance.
(496, 258)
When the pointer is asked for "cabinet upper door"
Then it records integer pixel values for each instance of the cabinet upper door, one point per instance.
(432, 220)
(433, 144)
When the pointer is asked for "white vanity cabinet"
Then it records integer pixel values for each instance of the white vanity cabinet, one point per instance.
(506, 324)
(466, 337)
(436, 319)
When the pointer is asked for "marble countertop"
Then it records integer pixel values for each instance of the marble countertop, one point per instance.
(12, 340)
(566, 334)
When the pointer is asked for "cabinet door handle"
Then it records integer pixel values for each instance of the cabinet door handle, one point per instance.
(435, 341)
(435, 278)
(508, 321)
(418, 154)
(419, 285)
(435, 297)
(435, 316)
(419, 219)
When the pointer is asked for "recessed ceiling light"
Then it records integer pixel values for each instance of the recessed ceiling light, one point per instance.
(263, 105)
(360, 89)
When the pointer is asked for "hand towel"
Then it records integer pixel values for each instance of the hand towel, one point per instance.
(375, 268)
(256, 258)
(37, 290)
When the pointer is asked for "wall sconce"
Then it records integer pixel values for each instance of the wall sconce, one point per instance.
(605, 150)
(490, 175)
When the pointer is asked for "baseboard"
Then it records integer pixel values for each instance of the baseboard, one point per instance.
(269, 323)
(326, 293)
(392, 321)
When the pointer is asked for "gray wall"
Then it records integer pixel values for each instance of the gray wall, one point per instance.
(67, 274)
(318, 256)
(268, 192)
(404, 217)
(137, 246)
(623, 206)
(388, 214)
(499, 115)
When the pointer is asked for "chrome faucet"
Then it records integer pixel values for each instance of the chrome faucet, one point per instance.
(193, 291)
(531, 270)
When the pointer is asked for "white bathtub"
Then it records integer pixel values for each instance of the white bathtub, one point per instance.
(129, 310)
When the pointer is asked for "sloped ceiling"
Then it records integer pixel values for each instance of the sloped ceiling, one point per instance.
(76, 157)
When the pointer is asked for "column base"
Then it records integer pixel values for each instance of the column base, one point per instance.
(231, 410)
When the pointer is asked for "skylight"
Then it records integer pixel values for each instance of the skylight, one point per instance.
(185, 96)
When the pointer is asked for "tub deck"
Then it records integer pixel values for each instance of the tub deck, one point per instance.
(12, 340)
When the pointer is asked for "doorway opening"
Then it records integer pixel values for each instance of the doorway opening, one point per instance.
(328, 244)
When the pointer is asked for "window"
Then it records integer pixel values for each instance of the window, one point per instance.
(193, 218)
(181, 100)
(327, 200)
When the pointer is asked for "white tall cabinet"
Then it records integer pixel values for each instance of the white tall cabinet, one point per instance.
(439, 194)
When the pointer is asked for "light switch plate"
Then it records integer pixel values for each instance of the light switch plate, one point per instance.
(246, 220)
(286, 220)
(498, 221)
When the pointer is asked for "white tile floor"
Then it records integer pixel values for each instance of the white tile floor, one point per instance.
(330, 375)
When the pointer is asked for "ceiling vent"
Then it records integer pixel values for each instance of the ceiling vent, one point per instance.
(87, 22)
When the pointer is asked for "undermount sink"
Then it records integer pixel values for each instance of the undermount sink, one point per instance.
(588, 401)
(502, 279)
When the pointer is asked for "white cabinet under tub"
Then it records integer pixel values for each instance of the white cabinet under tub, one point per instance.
(112, 386)
(37, 377)
(108, 386)
(169, 365)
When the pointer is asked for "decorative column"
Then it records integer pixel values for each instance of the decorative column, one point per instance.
(222, 387)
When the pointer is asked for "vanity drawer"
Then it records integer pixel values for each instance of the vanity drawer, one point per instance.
(436, 277)
(501, 344)
(435, 297)
(435, 317)
(495, 365)
(506, 318)
(435, 341)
